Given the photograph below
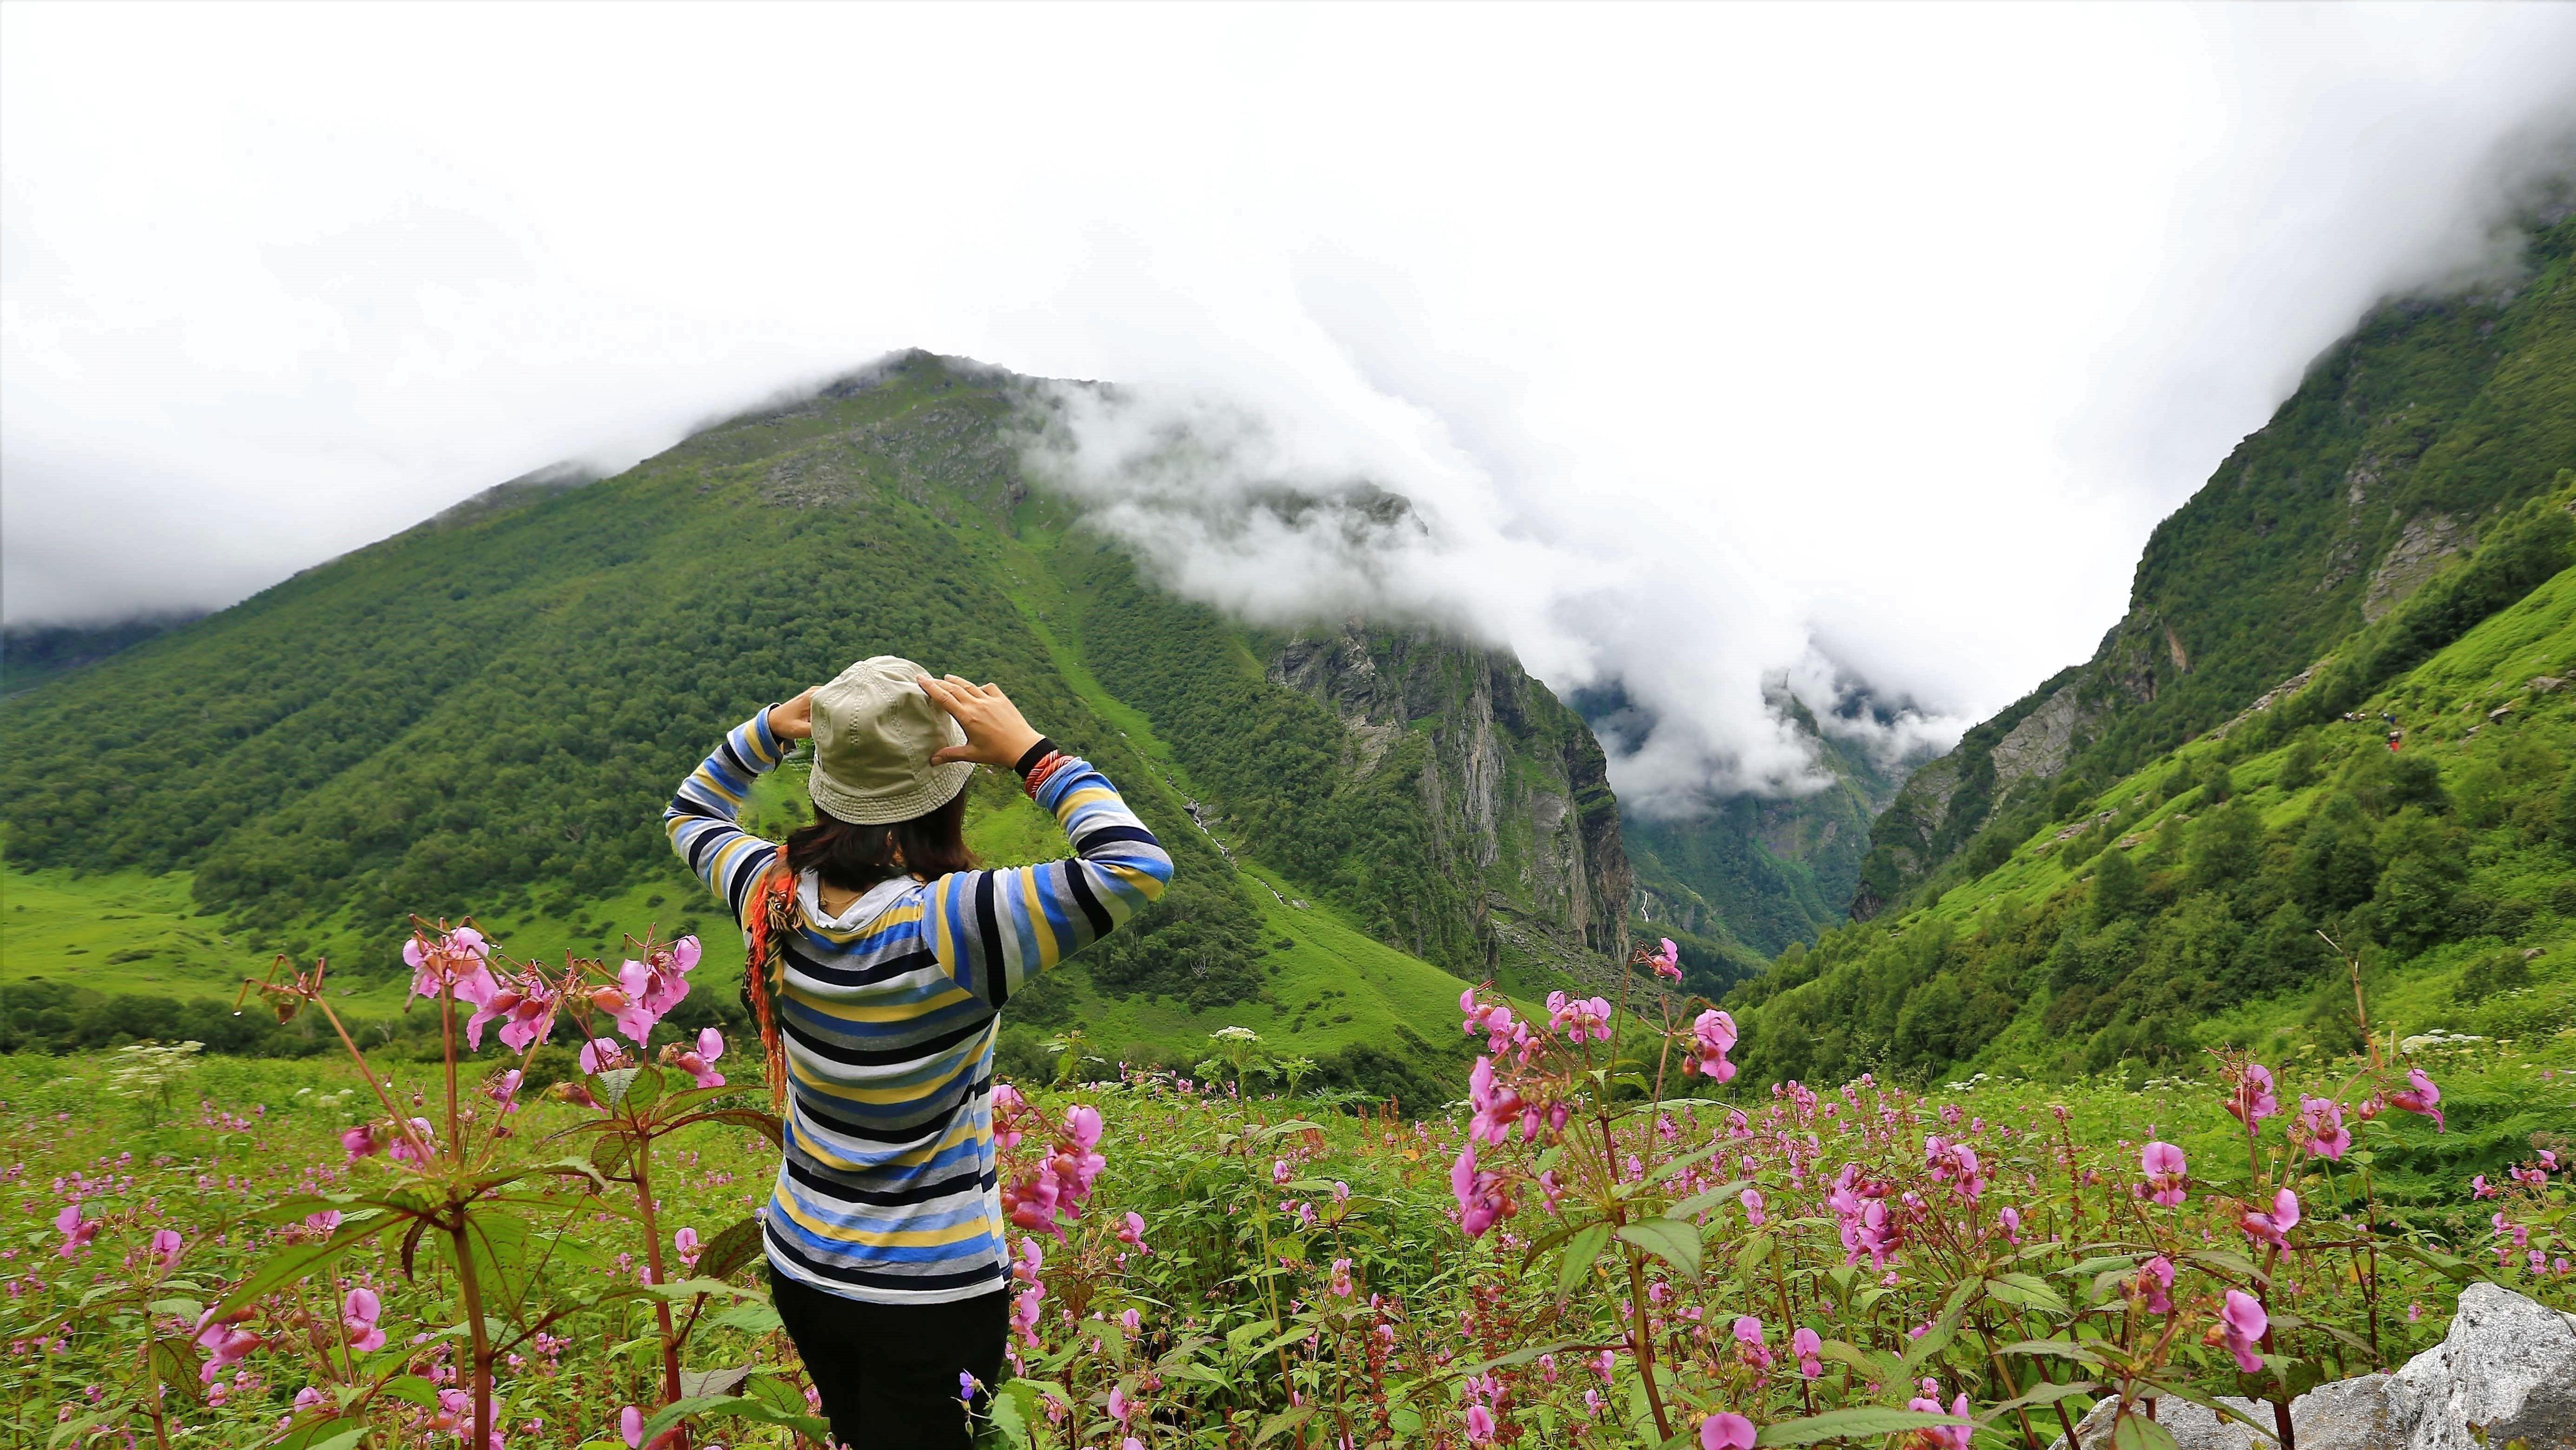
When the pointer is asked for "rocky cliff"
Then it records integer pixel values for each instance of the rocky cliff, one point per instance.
(1510, 781)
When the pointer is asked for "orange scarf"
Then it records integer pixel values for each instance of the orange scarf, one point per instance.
(771, 914)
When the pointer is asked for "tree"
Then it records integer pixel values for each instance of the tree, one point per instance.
(2335, 867)
(2226, 849)
(2299, 765)
(2119, 888)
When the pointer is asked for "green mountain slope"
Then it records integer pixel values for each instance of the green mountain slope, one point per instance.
(486, 712)
(2180, 906)
(2397, 454)
(1739, 883)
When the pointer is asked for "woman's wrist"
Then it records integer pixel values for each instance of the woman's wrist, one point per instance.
(1030, 758)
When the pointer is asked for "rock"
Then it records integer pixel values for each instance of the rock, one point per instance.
(2508, 1364)
(2544, 684)
(2346, 1415)
(2506, 1371)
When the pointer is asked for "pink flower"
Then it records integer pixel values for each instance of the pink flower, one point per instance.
(2154, 1285)
(1340, 1286)
(2480, 1188)
(401, 1147)
(2010, 1221)
(1667, 960)
(1498, 1109)
(1494, 1021)
(360, 1141)
(76, 1231)
(358, 1314)
(1480, 1425)
(685, 1244)
(1132, 1233)
(166, 1247)
(2252, 1099)
(2420, 1096)
(525, 1008)
(456, 963)
(2321, 1123)
(1751, 1198)
(1944, 1437)
(1809, 1347)
(2271, 1227)
(225, 1343)
(630, 1426)
(1712, 1034)
(1726, 1431)
(696, 1062)
(1481, 1199)
(2244, 1323)
(602, 1054)
(2165, 1168)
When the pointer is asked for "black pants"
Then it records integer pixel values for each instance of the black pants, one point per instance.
(888, 1372)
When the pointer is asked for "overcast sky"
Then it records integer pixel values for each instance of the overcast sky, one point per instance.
(1720, 342)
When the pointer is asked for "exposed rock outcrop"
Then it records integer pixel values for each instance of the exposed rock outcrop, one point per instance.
(2505, 1372)
(2418, 552)
(1515, 786)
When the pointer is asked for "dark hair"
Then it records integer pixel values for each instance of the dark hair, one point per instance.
(850, 857)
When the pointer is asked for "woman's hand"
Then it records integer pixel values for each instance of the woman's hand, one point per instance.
(793, 720)
(995, 733)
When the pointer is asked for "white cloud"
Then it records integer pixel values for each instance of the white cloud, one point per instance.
(1840, 342)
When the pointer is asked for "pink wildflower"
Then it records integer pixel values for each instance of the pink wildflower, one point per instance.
(2321, 1123)
(2244, 1324)
(1667, 961)
(2419, 1096)
(1754, 1216)
(2165, 1168)
(358, 1314)
(1943, 1437)
(1480, 1425)
(1712, 1035)
(360, 1141)
(1481, 1199)
(167, 1246)
(2154, 1285)
(76, 1231)
(1809, 1347)
(2272, 1227)
(1726, 1431)
(2252, 1099)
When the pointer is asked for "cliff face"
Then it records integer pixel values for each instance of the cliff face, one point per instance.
(1512, 783)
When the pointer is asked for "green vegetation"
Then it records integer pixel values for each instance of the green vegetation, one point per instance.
(486, 714)
(2404, 448)
(2182, 907)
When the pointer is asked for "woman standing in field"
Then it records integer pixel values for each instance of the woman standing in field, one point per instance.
(880, 959)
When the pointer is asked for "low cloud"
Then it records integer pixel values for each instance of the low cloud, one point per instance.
(1289, 522)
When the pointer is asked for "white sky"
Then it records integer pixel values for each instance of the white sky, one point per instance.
(1837, 335)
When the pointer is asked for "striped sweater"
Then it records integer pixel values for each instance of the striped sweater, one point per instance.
(887, 1191)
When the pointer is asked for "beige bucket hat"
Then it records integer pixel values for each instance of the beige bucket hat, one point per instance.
(874, 734)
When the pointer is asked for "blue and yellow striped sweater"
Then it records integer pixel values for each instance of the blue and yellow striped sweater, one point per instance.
(888, 1191)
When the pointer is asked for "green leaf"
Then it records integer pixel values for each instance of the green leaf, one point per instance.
(2060, 1348)
(1703, 1201)
(2043, 1394)
(2027, 1291)
(1009, 1425)
(1687, 1160)
(2137, 1432)
(1285, 1420)
(766, 1124)
(750, 1319)
(729, 1252)
(415, 1389)
(608, 1155)
(1523, 1355)
(1676, 1244)
(1943, 1330)
(1864, 1422)
(297, 1260)
(1877, 1366)
(329, 1433)
(1755, 1252)
(1580, 1252)
(696, 1383)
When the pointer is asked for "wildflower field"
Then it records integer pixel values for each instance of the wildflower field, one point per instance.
(1614, 1240)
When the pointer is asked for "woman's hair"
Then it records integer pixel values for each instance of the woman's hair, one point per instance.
(851, 857)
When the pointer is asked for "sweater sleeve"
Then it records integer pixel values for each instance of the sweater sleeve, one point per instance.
(703, 820)
(993, 930)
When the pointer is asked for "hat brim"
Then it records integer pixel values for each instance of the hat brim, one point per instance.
(937, 788)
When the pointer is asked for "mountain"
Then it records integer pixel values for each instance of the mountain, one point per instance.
(2397, 455)
(30, 655)
(1739, 882)
(485, 713)
(2200, 900)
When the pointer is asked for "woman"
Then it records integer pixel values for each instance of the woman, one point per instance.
(880, 959)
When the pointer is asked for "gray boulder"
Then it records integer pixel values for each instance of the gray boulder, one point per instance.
(2507, 1367)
